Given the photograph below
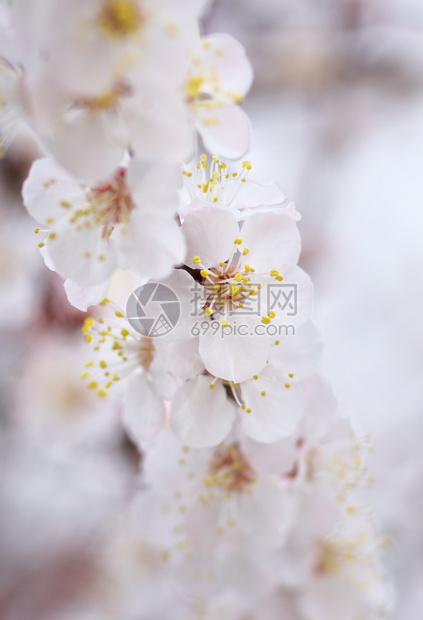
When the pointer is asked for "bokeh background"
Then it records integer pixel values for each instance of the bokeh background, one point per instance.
(337, 111)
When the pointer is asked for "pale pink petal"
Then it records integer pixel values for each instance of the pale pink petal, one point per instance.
(200, 416)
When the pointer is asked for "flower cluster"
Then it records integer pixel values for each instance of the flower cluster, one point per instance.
(249, 473)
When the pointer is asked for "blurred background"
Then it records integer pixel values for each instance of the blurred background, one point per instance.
(337, 112)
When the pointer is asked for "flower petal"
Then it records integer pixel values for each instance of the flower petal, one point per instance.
(232, 356)
(83, 297)
(210, 233)
(275, 409)
(144, 413)
(273, 240)
(201, 417)
(49, 192)
(225, 130)
(297, 354)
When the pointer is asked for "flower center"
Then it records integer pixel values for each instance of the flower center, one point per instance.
(107, 205)
(212, 182)
(230, 470)
(119, 19)
(127, 351)
(107, 101)
(146, 352)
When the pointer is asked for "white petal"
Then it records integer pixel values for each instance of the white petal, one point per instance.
(144, 413)
(320, 408)
(83, 297)
(225, 130)
(182, 359)
(253, 195)
(274, 415)
(150, 245)
(47, 187)
(86, 148)
(228, 58)
(277, 458)
(81, 255)
(297, 354)
(273, 240)
(231, 356)
(210, 233)
(201, 417)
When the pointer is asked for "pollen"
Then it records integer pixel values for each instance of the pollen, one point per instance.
(103, 364)
(246, 164)
(274, 273)
(204, 273)
(119, 19)
(92, 385)
(193, 88)
(208, 311)
(287, 385)
(238, 277)
(238, 241)
(265, 320)
(272, 314)
(263, 393)
(196, 260)
(225, 323)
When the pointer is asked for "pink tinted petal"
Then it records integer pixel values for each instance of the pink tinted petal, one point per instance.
(201, 417)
